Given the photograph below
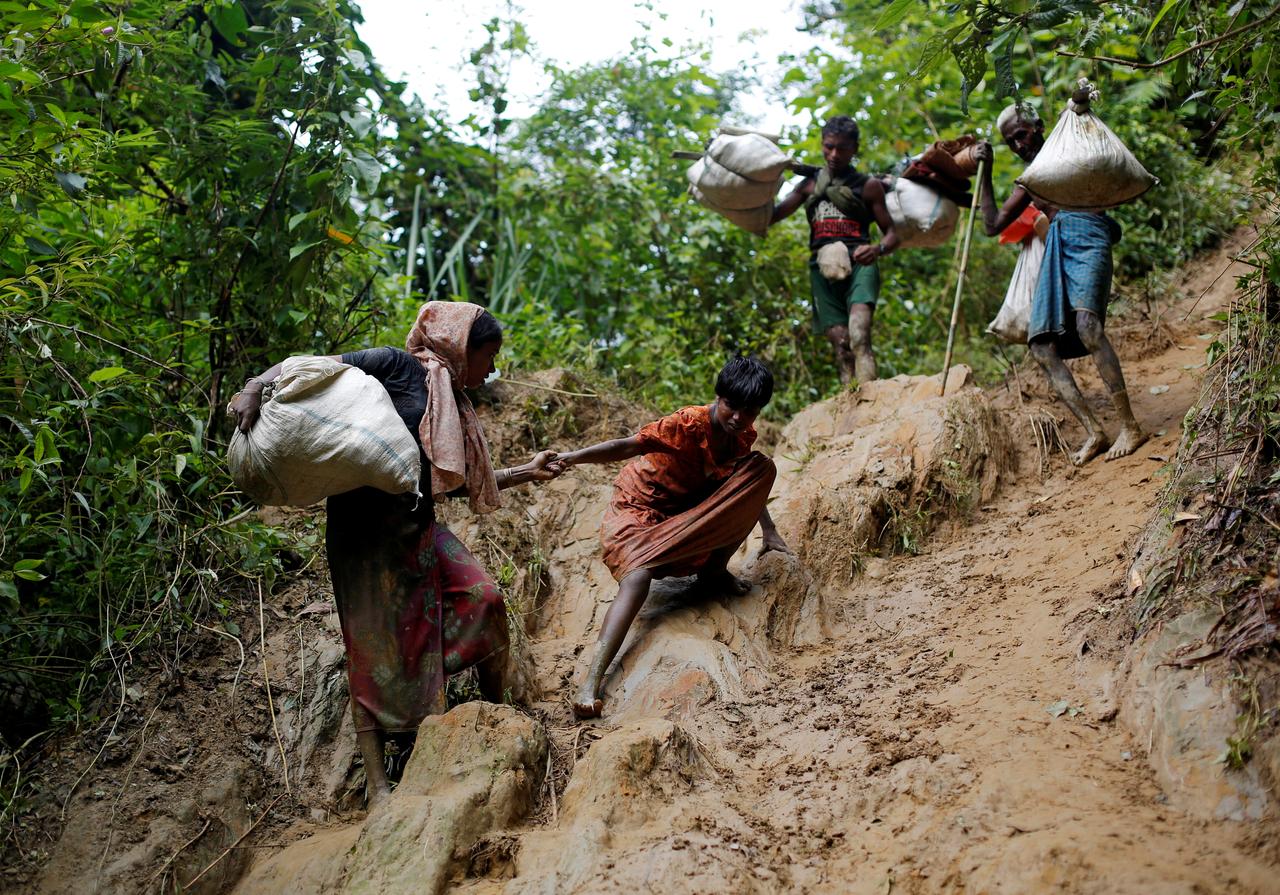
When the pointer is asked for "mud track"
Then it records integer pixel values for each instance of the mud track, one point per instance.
(865, 720)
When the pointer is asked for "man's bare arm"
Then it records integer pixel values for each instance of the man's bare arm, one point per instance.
(793, 200)
(994, 222)
(873, 196)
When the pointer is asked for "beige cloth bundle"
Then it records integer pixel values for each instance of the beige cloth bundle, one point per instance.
(1083, 166)
(326, 428)
(738, 177)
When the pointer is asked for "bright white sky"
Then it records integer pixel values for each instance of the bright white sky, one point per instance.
(427, 42)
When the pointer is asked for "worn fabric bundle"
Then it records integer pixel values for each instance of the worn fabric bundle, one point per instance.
(753, 220)
(326, 428)
(1083, 166)
(922, 217)
(1014, 317)
(738, 177)
(834, 261)
(752, 156)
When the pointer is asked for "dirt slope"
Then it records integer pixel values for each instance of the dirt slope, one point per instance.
(861, 722)
(957, 732)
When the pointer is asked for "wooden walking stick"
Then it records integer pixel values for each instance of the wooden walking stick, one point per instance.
(964, 264)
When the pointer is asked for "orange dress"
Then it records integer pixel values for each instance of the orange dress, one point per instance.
(677, 503)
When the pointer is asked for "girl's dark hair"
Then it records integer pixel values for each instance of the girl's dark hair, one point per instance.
(841, 126)
(745, 383)
(486, 329)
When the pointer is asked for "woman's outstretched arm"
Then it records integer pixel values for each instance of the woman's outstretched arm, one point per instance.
(545, 466)
(607, 452)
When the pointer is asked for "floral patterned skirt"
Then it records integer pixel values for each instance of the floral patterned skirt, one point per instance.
(413, 602)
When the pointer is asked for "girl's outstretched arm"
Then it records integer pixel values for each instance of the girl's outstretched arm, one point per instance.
(606, 452)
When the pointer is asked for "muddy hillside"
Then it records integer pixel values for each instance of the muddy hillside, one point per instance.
(943, 690)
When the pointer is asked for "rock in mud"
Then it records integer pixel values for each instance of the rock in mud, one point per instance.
(621, 827)
(473, 770)
(882, 463)
(1186, 716)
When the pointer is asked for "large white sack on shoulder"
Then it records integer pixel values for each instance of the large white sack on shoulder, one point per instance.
(1014, 317)
(834, 262)
(1083, 166)
(327, 428)
(922, 218)
(750, 155)
(729, 190)
(754, 220)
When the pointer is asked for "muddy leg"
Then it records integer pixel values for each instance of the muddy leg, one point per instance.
(715, 577)
(1094, 337)
(377, 789)
(632, 591)
(491, 670)
(860, 341)
(1095, 442)
(838, 336)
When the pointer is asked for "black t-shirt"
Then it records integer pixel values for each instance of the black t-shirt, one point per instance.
(828, 224)
(401, 375)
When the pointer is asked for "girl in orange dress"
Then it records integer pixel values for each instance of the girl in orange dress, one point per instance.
(684, 505)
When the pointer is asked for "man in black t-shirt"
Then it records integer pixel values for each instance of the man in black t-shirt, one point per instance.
(841, 205)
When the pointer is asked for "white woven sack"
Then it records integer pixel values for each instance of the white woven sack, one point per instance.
(728, 190)
(1014, 317)
(327, 428)
(750, 155)
(753, 220)
(921, 217)
(1083, 166)
(834, 261)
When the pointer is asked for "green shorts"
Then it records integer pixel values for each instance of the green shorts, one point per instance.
(832, 299)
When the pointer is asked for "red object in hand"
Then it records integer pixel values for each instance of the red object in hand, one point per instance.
(1021, 228)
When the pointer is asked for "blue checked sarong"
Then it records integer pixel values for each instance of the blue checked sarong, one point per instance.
(1075, 276)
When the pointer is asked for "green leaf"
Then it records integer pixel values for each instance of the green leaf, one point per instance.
(894, 13)
(39, 246)
(296, 219)
(106, 374)
(302, 247)
(72, 184)
(179, 464)
(1006, 83)
(230, 20)
(368, 169)
(16, 72)
(1164, 10)
(360, 122)
(47, 444)
(27, 569)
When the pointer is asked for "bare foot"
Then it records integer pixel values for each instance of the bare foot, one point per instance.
(587, 705)
(1129, 440)
(721, 581)
(1094, 445)
(378, 796)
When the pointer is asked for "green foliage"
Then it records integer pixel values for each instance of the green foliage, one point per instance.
(190, 192)
(175, 205)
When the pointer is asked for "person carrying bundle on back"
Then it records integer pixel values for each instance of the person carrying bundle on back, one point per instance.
(414, 605)
(841, 204)
(1070, 303)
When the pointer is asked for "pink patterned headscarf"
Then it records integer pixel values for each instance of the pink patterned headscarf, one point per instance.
(451, 435)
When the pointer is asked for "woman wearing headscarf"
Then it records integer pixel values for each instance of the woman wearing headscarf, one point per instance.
(414, 604)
